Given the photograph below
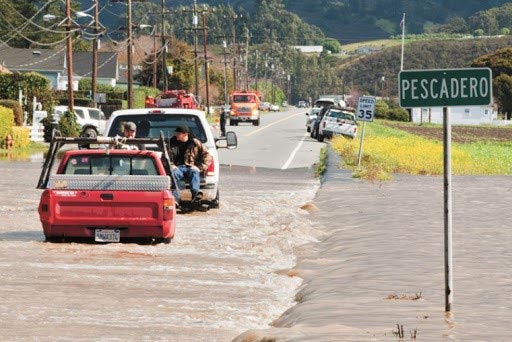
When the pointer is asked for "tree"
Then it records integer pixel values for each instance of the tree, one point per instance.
(499, 61)
(502, 88)
(332, 45)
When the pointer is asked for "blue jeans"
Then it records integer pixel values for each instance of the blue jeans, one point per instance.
(184, 172)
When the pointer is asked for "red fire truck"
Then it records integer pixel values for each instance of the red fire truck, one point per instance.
(172, 99)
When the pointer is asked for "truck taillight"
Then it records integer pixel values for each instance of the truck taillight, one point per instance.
(168, 208)
(211, 169)
(44, 205)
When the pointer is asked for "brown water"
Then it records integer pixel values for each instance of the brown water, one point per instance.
(216, 279)
(380, 262)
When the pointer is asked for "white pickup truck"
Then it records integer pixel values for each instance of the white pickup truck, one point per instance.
(152, 122)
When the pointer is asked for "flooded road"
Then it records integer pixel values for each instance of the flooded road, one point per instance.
(218, 278)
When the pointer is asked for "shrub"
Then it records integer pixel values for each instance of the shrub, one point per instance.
(68, 125)
(20, 137)
(398, 114)
(6, 122)
(16, 108)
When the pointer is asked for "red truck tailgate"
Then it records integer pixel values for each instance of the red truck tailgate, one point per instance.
(89, 207)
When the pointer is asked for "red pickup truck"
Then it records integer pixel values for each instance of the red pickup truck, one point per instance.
(107, 195)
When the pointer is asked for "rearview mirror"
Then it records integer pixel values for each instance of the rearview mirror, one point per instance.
(231, 141)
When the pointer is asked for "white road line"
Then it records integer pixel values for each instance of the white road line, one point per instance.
(290, 159)
(272, 124)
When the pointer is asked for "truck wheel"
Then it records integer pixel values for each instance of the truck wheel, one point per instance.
(214, 204)
(90, 132)
(53, 239)
(308, 129)
(256, 122)
(320, 137)
(165, 241)
(233, 123)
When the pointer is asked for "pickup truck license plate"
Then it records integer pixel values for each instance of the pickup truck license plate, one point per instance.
(107, 235)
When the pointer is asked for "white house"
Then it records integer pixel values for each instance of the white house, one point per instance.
(468, 115)
(309, 48)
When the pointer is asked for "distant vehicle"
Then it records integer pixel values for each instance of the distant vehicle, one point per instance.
(274, 108)
(151, 122)
(172, 99)
(91, 120)
(302, 104)
(311, 117)
(333, 100)
(265, 106)
(315, 124)
(244, 107)
(337, 121)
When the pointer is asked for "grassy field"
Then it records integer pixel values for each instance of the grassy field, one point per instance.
(381, 43)
(388, 150)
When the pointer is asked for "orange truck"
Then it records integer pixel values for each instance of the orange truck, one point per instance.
(244, 107)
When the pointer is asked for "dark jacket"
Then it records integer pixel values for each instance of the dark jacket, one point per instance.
(195, 154)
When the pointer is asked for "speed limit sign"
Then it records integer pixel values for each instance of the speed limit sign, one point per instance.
(366, 108)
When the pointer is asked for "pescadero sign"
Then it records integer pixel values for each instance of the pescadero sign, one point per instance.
(445, 87)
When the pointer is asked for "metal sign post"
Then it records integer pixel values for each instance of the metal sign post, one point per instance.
(447, 153)
(365, 112)
(446, 88)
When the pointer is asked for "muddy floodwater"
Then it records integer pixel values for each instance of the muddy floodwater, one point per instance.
(218, 278)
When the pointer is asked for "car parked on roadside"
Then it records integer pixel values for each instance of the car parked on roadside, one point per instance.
(337, 121)
(274, 107)
(315, 124)
(91, 120)
(264, 106)
(311, 117)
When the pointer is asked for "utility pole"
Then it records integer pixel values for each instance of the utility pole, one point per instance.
(129, 54)
(164, 49)
(234, 51)
(256, 69)
(196, 68)
(154, 57)
(246, 58)
(95, 54)
(206, 74)
(69, 57)
(226, 99)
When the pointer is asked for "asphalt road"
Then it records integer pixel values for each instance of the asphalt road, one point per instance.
(280, 142)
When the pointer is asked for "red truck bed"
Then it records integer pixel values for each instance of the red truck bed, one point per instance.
(108, 196)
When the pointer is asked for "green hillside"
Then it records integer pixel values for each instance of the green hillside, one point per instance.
(366, 73)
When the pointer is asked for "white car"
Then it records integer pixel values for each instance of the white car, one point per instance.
(311, 117)
(91, 120)
(274, 108)
(151, 122)
(264, 106)
(337, 121)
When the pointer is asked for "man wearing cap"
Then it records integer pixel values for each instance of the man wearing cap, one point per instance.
(129, 131)
(189, 159)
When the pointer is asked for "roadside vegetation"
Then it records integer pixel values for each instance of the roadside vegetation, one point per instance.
(322, 163)
(388, 150)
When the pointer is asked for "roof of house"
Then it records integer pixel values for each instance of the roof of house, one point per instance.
(46, 60)
(309, 48)
(16, 59)
(107, 64)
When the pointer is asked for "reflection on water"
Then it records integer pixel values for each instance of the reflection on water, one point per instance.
(20, 155)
